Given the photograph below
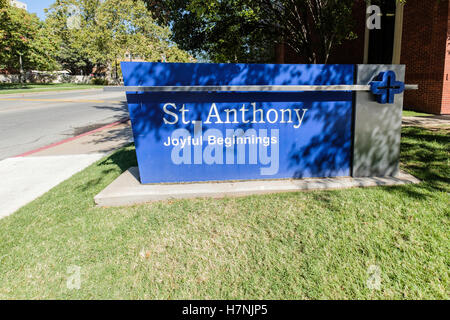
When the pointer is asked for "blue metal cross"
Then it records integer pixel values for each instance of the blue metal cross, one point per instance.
(385, 87)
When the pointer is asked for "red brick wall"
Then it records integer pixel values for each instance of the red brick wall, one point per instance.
(425, 29)
(425, 51)
(445, 108)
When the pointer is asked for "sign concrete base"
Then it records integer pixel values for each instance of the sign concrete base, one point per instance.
(127, 189)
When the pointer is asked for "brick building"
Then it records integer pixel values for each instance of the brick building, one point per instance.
(416, 34)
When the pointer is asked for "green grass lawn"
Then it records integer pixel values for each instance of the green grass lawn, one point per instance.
(410, 113)
(308, 245)
(6, 88)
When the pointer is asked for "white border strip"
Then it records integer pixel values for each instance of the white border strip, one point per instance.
(262, 88)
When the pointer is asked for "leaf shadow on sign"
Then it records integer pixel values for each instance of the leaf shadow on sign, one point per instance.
(329, 152)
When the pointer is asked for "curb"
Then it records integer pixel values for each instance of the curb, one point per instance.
(24, 94)
(127, 189)
(72, 138)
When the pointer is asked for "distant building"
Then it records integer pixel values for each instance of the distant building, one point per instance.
(18, 4)
(133, 57)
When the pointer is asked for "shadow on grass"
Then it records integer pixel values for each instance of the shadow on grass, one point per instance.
(116, 163)
(124, 159)
(425, 154)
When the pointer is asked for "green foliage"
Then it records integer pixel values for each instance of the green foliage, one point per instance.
(246, 30)
(127, 26)
(99, 81)
(100, 33)
(223, 31)
(4, 4)
(23, 34)
(73, 39)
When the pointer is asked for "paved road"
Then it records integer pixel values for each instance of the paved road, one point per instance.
(31, 121)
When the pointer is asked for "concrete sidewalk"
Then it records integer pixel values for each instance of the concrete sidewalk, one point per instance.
(430, 122)
(103, 140)
(26, 178)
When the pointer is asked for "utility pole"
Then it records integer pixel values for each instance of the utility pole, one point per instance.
(21, 70)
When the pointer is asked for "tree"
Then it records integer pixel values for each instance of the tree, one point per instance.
(311, 28)
(24, 37)
(71, 22)
(126, 26)
(95, 32)
(242, 30)
(223, 31)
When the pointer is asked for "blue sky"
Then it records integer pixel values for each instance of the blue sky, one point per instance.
(38, 6)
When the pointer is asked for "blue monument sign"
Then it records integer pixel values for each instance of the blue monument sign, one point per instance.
(216, 122)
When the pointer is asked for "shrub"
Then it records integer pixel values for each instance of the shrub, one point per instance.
(99, 81)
